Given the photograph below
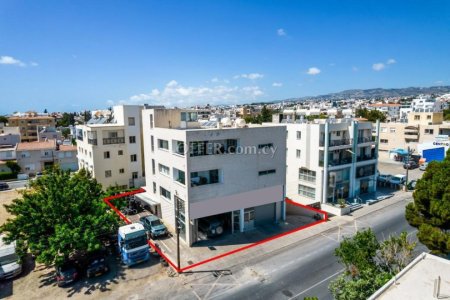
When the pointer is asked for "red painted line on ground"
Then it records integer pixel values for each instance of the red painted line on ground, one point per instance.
(179, 270)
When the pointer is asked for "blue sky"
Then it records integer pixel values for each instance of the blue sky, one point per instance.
(74, 55)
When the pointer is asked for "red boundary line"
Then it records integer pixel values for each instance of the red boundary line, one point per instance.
(180, 270)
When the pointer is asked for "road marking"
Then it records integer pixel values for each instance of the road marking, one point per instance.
(318, 283)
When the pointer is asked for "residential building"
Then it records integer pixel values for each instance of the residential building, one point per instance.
(34, 157)
(330, 159)
(30, 124)
(426, 277)
(49, 133)
(426, 103)
(110, 147)
(236, 174)
(392, 110)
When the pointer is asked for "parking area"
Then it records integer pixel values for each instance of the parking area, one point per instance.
(394, 168)
(209, 247)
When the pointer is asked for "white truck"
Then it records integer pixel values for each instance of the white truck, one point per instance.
(10, 265)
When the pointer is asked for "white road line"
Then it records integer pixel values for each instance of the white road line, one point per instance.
(320, 282)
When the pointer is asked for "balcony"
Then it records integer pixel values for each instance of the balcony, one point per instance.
(366, 139)
(92, 142)
(80, 137)
(112, 141)
(341, 142)
(339, 162)
(365, 157)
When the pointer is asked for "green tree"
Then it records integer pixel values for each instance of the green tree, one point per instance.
(45, 111)
(446, 115)
(266, 115)
(3, 119)
(369, 264)
(371, 115)
(13, 166)
(430, 211)
(66, 132)
(61, 215)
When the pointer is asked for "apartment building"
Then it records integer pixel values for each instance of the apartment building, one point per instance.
(110, 147)
(330, 159)
(34, 157)
(392, 110)
(235, 174)
(30, 124)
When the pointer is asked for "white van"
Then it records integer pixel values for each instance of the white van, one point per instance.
(9, 260)
(22, 176)
(398, 179)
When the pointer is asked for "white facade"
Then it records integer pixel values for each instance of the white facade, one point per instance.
(208, 173)
(350, 163)
(426, 104)
(111, 147)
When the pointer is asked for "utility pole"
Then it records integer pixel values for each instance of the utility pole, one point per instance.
(177, 212)
(407, 168)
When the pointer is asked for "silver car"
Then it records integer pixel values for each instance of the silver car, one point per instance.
(423, 166)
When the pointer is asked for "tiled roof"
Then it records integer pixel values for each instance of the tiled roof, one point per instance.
(67, 148)
(50, 144)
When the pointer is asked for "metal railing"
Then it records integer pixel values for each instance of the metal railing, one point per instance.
(341, 142)
(92, 141)
(117, 140)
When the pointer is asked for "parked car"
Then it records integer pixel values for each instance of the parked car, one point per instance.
(211, 227)
(153, 225)
(67, 273)
(384, 177)
(412, 185)
(22, 177)
(398, 179)
(384, 197)
(423, 166)
(10, 265)
(96, 264)
(3, 186)
(410, 165)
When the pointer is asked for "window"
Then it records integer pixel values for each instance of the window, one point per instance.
(163, 144)
(428, 117)
(134, 175)
(154, 187)
(298, 153)
(383, 129)
(267, 172)
(306, 191)
(416, 118)
(106, 154)
(204, 177)
(152, 143)
(384, 141)
(153, 167)
(429, 131)
(164, 169)
(133, 157)
(165, 193)
(299, 135)
(179, 176)
(179, 147)
(108, 173)
(338, 133)
(306, 175)
(392, 130)
(131, 121)
(121, 171)
(263, 146)
(151, 121)
(120, 152)
(132, 139)
(189, 116)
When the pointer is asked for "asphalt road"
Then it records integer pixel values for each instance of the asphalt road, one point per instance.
(307, 268)
(17, 184)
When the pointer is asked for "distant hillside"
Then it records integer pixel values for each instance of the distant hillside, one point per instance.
(377, 93)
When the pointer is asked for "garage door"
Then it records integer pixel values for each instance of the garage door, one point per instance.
(434, 154)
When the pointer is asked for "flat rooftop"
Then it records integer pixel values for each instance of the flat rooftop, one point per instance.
(417, 280)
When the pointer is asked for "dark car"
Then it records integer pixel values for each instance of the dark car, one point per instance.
(211, 227)
(96, 264)
(3, 186)
(412, 185)
(410, 165)
(67, 273)
(153, 225)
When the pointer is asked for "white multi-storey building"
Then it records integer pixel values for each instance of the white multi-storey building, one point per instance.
(426, 104)
(110, 147)
(329, 160)
(235, 174)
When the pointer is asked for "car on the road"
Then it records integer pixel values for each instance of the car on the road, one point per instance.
(67, 273)
(423, 166)
(410, 165)
(384, 197)
(96, 264)
(211, 227)
(398, 179)
(3, 186)
(384, 177)
(412, 185)
(154, 227)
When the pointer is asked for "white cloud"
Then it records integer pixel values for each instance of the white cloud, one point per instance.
(218, 80)
(378, 66)
(215, 79)
(355, 69)
(277, 84)
(281, 32)
(313, 71)
(251, 76)
(439, 82)
(175, 94)
(9, 60)
(391, 61)
(34, 64)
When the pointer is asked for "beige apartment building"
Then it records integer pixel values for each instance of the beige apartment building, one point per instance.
(421, 128)
(30, 124)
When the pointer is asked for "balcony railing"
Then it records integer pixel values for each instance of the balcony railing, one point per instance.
(110, 141)
(79, 137)
(365, 139)
(92, 141)
(341, 142)
(338, 162)
(365, 157)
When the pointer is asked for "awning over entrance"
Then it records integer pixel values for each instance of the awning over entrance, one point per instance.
(145, 197)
